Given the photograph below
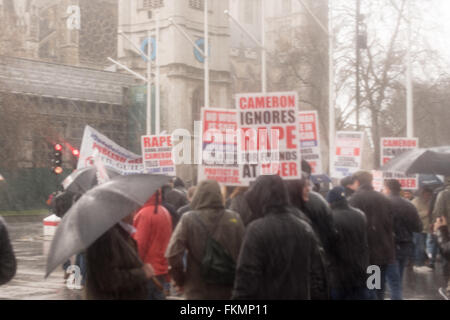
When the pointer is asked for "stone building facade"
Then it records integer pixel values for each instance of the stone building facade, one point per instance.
(37, 29)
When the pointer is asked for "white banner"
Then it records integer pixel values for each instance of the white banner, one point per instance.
(310, 140)
(157, 152)
(110, 153)
(225, 169)
(393, 147)
(269, 142)
(347, 157)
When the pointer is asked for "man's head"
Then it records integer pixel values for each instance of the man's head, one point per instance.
(362, 178)
(392, 187)
(336, 194)
(408, 194)
(178, 183)
(426, 193)
(349, 182)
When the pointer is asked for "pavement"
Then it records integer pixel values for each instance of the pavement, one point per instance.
(31, 248)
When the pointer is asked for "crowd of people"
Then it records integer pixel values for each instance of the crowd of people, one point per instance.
(276, 239)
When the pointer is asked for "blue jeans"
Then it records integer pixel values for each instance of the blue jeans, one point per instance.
(394, 274)
(80, 261)
(155, 293)
(379, 293)
(419, 251)
(432, 247)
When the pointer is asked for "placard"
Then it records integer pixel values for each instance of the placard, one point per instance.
(269, 141)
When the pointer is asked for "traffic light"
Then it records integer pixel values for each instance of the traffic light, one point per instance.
(57, 159)
(76, 152)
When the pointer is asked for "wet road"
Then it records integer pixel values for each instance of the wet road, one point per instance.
(31, 249)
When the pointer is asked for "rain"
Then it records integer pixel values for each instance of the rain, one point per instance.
(224, 150)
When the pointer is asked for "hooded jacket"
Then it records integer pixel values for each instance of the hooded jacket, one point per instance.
(280, 257)
(153, 225)
(8, 263)
(350, 258)
(380, 224)
(114, 269)
(225, 226)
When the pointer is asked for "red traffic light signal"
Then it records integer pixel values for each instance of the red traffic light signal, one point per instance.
(58, 147)
(76, 152)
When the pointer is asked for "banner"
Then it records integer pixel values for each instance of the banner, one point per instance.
(393, 147)
(310, 140)
(219, 128)
(268, 142)
(347, 158)
(378, 181)
(111, 154)
(157, 154)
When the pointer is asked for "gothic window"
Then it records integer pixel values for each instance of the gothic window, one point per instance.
(152, 4)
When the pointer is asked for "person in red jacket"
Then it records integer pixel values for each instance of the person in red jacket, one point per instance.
(153, 225)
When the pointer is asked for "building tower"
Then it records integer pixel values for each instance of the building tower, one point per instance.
(181, 69)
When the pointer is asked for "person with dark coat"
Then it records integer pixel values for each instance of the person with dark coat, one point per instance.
(168, 206)
(380, 225)
(177, 197)
(114, 269)
(349, 184)
(187, 207)
(316, 210)
(8, 264)
(406, 223)
(208, 218)
(281, 257)
(443, 240)
(351, 256)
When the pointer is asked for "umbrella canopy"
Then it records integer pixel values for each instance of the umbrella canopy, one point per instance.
(429, 180)
(97, 211)
(320, 178)
(82, 180)
(423, 161)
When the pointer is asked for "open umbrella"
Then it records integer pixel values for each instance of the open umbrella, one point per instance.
(429, 180)
(423, 161)
(320, 178)
(97, 211)
(82, 180)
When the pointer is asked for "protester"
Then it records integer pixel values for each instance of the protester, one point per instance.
(406, 223)
(8, 264)
(177, 197)
(208, 219)
(168, 206)
(351, 256)
(238, 203)
(153, 225)
(316, 210)
(187, 207)
(432, 247)
(407, 194)
(281, 257)
(350, 186)
(380, 229)
(443, 238)
(114, 269)
(422, 204)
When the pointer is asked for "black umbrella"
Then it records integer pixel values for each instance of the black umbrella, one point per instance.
(423, 161)
(97, 211)
(82, 180)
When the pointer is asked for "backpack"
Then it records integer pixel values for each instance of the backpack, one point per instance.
(217, 267)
